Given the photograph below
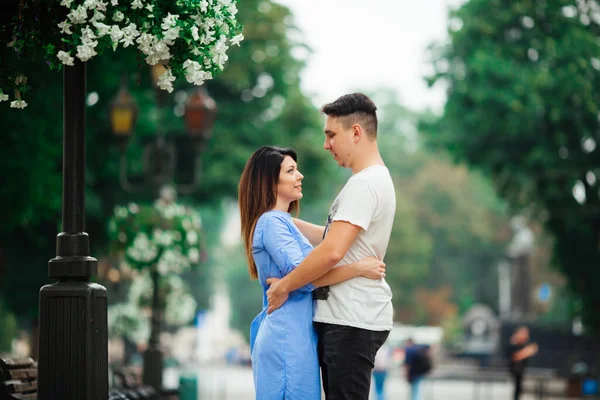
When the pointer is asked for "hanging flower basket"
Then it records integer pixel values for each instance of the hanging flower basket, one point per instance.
(165, 236)
(190, 37)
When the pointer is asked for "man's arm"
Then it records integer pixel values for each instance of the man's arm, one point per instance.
(528, 351)
(314, 233)
(324, 257)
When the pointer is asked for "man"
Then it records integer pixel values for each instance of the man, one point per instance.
(519, 352)
(417, 363)
(353, 318)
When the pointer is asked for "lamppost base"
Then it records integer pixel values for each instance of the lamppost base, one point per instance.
(73, 356)
(153, 361)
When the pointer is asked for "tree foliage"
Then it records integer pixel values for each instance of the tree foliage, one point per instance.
(523, 106)
(450, 227)
(259, 102)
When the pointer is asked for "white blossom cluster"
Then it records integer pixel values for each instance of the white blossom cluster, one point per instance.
(207, 35)
(125, 319)
(131, 318)
(171, 242)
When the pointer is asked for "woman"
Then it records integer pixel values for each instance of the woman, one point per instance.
(283, 344)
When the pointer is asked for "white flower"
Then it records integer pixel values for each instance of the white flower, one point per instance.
(194, 255)
(118, 16)
(232, 10)
(65, 27)
(114, 2)
(192, 237)
(87, 35)
(194, 73)
(163, 237)
(130, 32)
(180, 309)
(95, 5)
(66, 3)
(169, 21)
(237, 39)
(101, 6)
(203, 6)
(18, 104)
(143, 250)
(158, 52)
(121, 212)
(219, 52)
(150, 7)
(78, 16)
(65, 57)
(165, 81)
(195, 35)
(3, 97)
(137, 4)
(115, 35)
(20, 79)
(172, 262)
(98, 16)
(103, 29)
(86, 51)
(172, 34)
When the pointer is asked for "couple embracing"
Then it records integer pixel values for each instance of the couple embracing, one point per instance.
(326, 306)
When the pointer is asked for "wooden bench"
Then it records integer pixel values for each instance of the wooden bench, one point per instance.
(18, 379)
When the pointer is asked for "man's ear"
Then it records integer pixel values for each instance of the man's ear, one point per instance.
(357, 132)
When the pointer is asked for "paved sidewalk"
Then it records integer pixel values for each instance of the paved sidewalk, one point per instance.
(220, 382)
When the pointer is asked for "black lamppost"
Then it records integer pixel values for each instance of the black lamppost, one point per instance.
(73, 334)
(159, 166)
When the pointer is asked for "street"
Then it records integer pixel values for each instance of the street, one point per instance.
(220, 382)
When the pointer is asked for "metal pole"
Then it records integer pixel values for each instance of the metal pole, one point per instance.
(73, 334)
(153, 358)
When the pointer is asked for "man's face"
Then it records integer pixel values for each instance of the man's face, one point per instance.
(338, 141)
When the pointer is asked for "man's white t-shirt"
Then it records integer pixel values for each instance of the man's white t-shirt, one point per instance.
(368, 200)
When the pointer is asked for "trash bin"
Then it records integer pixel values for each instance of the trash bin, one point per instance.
(188, 387)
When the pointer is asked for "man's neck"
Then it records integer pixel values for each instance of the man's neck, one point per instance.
(366, 162)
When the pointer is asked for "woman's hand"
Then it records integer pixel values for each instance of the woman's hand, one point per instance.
(371, 267)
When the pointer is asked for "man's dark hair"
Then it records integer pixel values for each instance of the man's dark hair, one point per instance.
(355, 108)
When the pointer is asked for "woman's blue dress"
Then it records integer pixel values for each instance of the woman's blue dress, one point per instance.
(283, 344)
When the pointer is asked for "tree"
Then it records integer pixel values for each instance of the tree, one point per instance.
(523, 107)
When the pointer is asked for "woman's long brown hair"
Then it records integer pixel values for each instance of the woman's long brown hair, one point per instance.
(257, 193)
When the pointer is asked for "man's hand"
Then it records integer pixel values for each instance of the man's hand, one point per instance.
(276, 295)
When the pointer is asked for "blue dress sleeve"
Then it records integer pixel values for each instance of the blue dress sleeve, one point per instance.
(283, 246)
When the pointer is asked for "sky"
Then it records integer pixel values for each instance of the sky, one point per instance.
(368, 44)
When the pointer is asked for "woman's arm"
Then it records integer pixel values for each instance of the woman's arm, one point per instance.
(371, 268)
(314, 233)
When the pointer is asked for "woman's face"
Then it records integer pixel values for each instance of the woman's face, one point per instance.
(289, 187)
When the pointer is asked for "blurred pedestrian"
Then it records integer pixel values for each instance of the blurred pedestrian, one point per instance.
(417, 362)
(383, 362)
(519, 351)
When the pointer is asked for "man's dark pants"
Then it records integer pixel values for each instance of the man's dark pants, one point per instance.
(347, 357)
(518, 378)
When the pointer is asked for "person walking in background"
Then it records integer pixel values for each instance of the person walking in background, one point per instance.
(283, 345)
(519, 351)
(383, 362)
(417, 363)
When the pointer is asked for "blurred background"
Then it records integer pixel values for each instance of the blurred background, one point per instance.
(489, 119)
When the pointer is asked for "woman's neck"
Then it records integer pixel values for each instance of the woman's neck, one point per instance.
(282, 205)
